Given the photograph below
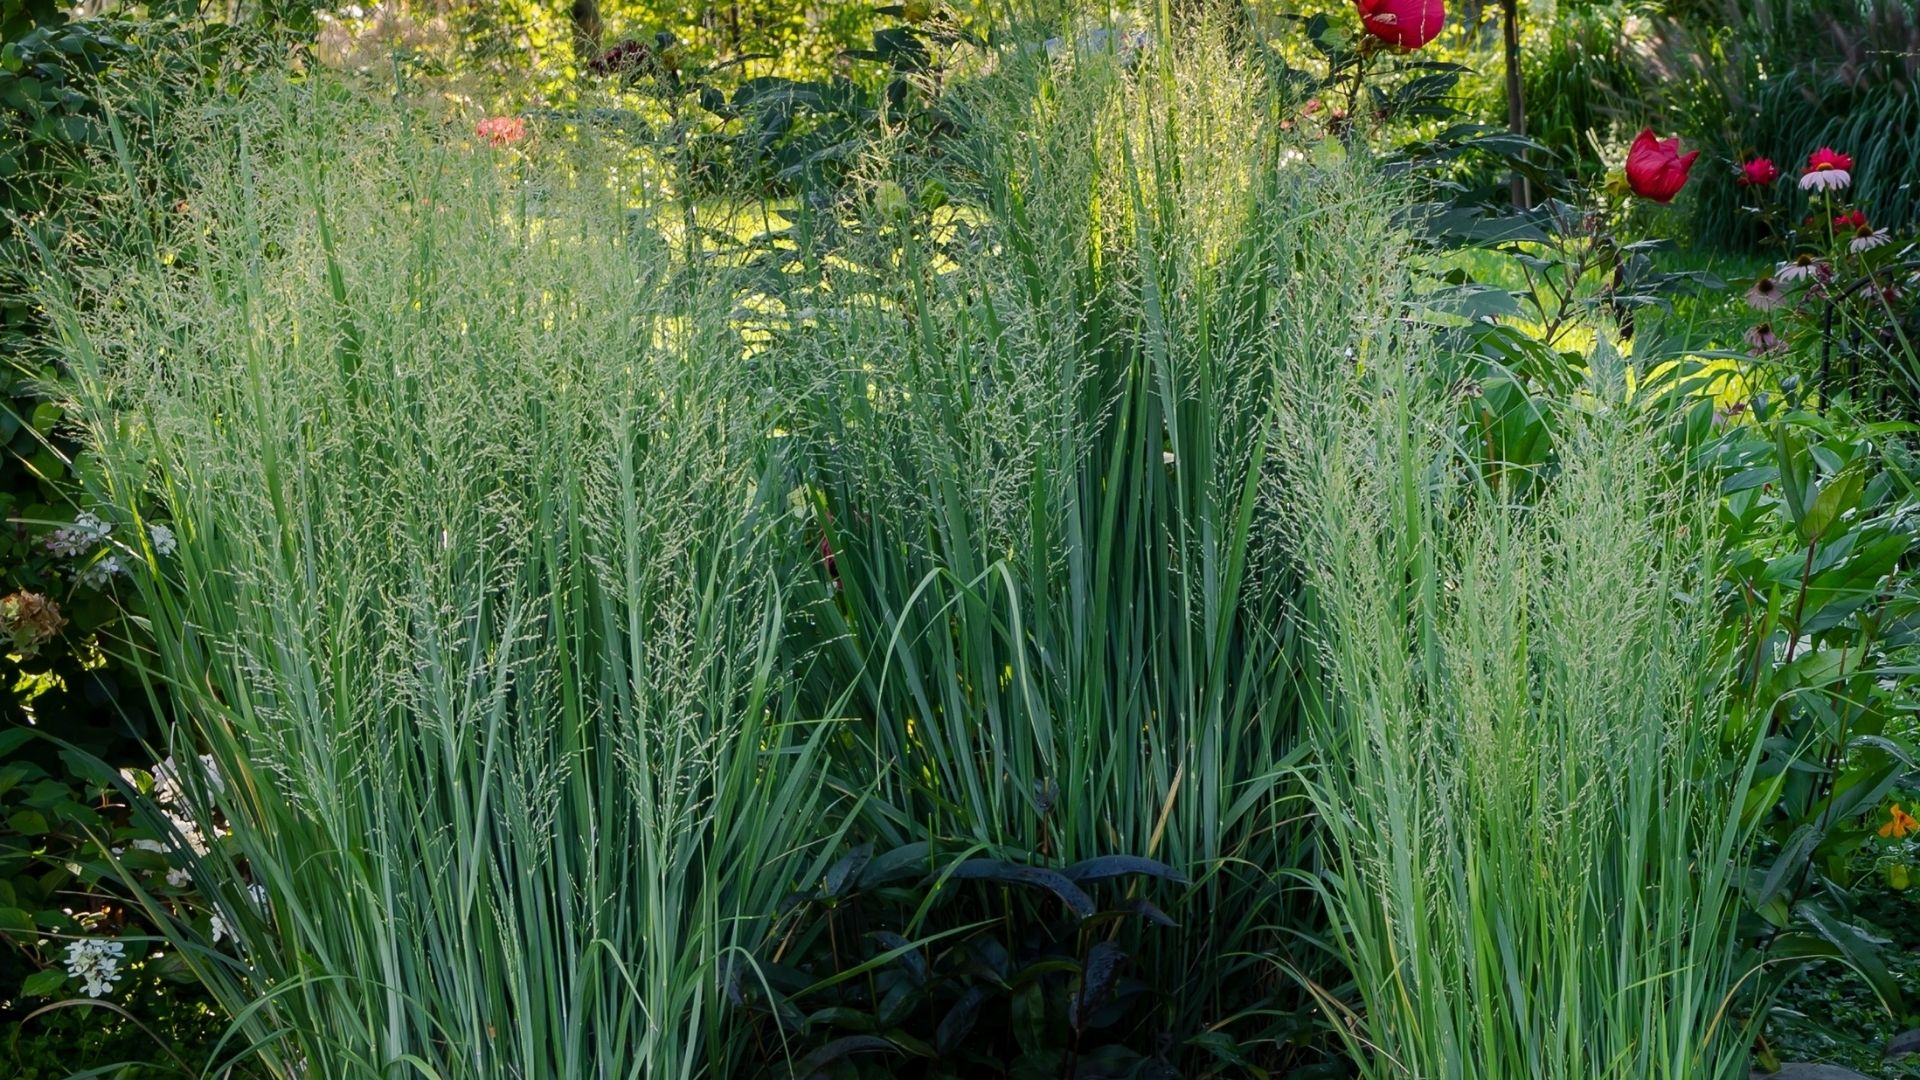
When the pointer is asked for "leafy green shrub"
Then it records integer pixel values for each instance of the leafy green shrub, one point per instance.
(906, 962)
(51, 129)
(84, 981)
(73, 95)
(1825, 628)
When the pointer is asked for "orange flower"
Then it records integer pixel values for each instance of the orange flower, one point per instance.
(1899, 824)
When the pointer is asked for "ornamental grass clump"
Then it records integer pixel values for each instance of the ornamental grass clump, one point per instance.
(1064, 607)
(1530, 826)
(476, 605)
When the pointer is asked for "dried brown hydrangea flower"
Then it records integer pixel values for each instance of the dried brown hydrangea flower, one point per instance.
(29, 619)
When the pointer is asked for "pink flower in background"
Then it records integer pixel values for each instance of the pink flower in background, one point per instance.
(1758, 173)
(1656, 169)
(1827, 170)
(501, 130)
(1764, 340)
(1865, 236)
(1765, 295)
(1802, 266)
(1405, 24)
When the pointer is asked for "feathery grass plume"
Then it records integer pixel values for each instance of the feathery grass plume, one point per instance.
(476, 602)
(1059, 591)
(1530, 826)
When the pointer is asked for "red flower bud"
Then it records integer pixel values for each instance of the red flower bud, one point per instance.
(1404, 24)
(1656, 169)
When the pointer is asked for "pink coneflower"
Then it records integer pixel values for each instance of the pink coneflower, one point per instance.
(1866, 237)
(1758, 173)
(501, 130)
(1827, 170)
(1764, 340)
(1765, 295)
(1803, 265)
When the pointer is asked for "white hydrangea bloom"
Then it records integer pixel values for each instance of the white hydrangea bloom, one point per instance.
(96, 963)
(166, 779)
(102, 570)
(164, 542)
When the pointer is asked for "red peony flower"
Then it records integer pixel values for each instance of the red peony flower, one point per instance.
(1404, 24)
(1759, 172)
(1826, 169)
(1656, 169)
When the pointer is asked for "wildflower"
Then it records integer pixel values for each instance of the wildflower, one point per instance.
(501, 130)
(1656, 169)
(29, 619)
(1765, 295)
(164, 542)
(178, 878)
(1764, 340)
(1827, 170)
(1403, 24)
(96, 963)
(1899, 824)
(1803, 265)
(1849, 221)
(220, 928)
(1758, 173)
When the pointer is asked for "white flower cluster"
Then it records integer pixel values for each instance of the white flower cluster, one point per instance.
(83, 538)
(257, 896)
(79, 538)
(97, 573)
(169, 792)
(96, 963)
(166, 779)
